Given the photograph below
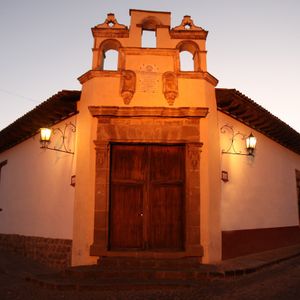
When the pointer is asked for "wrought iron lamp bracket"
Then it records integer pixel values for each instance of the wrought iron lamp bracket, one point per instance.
(62, 146)
(234, 135)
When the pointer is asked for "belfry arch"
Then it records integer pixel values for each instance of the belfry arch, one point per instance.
(105, 46)
(194, 50)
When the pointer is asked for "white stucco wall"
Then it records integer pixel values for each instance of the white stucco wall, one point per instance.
(261, 191)
(35, 192)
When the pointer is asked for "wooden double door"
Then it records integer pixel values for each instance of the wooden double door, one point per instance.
(147, 197)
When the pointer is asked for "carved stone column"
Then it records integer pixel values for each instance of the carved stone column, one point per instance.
(193, 245)
(101, 196)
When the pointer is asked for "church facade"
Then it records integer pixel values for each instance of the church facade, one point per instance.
(151, 159)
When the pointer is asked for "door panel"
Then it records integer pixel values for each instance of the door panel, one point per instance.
(166, 217)
(128, 163)
(166, 197)
(126, 230)
(167, 163)
(147, 197)
(126, 196)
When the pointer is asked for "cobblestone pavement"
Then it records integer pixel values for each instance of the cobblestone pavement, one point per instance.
(281, 281)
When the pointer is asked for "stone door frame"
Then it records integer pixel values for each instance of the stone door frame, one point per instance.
(150, 125)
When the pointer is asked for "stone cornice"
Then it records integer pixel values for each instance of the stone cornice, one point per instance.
(141, 111)
(188, 35)
(97, 73)
(198, 75)
(188, 75)
(156, 26)
(149, 51)
(110, 33)
(149, 11)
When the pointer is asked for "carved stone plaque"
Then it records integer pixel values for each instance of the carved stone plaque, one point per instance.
(148, 79)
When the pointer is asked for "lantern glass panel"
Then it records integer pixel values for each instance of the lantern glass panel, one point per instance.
(46, 134)
(251, 142)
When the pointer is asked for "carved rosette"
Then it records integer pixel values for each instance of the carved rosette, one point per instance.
(170, 86)
(128, 85)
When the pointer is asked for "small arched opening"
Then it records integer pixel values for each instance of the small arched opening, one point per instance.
(189, 58)
(186, 61)
(149, 26)
(110, 61)
(148, 39)
(109, 55)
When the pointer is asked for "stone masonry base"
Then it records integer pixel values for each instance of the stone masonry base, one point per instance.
(244, 242)
(55, 253)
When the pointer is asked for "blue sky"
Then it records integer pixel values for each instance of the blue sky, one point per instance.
(253, 46)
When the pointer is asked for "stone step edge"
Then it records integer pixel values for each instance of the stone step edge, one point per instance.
(224, 272)
(141, 284)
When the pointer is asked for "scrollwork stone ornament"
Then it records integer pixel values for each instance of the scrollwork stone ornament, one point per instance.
(194, 156)
(101, 155)
(187, 24)
(170, 87)
(111, 23)
(100, 159)
(128, 85)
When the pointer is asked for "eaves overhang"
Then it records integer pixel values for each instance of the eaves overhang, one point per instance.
(240, 107)
(229, 101)
(57, 108)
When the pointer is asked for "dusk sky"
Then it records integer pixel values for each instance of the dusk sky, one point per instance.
(253, 46)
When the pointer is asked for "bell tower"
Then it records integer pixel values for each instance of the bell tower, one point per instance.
(150, 76)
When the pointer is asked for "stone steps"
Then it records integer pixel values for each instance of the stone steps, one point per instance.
(140, 274)
(107, 284)
(150, 263)
(128, 273)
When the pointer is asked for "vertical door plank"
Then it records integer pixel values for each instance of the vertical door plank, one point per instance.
(165, 220)
(126, 196)
(166, 197)
(126, 229)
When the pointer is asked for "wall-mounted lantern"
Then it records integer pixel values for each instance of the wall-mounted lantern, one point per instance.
(62, 145)
(45, 135)
(250, 142)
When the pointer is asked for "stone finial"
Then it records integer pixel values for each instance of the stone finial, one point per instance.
(170, 86)
(111, 23)
(187, 24)
(128, 83)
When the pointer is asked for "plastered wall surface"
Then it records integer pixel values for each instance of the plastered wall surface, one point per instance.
(210, 183)
(261, 191)
(35, 192)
